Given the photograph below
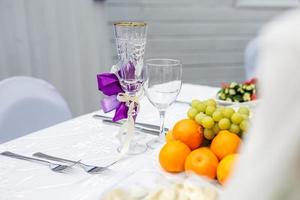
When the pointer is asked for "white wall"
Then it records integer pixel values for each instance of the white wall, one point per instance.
(67, 42)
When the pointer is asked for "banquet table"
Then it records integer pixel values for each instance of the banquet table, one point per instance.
(93, 142)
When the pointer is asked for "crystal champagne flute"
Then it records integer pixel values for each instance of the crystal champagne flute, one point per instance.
(130, 41)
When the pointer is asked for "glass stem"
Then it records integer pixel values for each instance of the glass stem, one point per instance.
(162, 125)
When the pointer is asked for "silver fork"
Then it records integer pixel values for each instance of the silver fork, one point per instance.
(87, 168)
(53, 166)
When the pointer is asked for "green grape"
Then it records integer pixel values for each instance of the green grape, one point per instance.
(195, 102)
(192, 112)
(216, 128)
(201, 107)
(209, 134)
(221, 108)
(224, 124)
(244, 125)
(211, 102)
(244, 110)
(228, 112)
(234, 128)
(199, 117)
(217, 115)
(205, 102)
(209, 110)
(245, 117)
(236, 118)
(207, 122)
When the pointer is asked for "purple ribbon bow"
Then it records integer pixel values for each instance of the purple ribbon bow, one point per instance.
(109, 84)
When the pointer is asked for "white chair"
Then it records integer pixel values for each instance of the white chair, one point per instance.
(250, 57)
(28, 104)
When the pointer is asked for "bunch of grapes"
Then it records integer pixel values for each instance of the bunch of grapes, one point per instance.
(215, 118)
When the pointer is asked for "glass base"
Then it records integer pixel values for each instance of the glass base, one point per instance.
(135, 146)
(134, 149)
(155, 143)
(139, 135)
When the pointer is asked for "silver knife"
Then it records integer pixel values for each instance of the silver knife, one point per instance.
(137, 127)
(143, 125)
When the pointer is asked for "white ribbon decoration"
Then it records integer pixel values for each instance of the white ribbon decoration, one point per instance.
(132, 102)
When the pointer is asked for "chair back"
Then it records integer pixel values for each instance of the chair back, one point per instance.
(28, 104)
(251, 53)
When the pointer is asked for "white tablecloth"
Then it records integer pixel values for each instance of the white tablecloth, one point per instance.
(91, 141)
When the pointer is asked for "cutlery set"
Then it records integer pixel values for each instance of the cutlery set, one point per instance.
(45, 159)
(56, 167)
(147, 128)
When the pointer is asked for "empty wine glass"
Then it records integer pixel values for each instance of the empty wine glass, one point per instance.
(162, 86)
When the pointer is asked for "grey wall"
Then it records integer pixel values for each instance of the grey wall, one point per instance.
(61, 41)
(68, 41)
(208, 36)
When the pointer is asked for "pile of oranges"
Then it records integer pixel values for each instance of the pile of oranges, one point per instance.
(186, 150)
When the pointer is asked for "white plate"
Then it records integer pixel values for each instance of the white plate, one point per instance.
(236, 104)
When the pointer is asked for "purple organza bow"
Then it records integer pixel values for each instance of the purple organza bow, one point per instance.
(109, 84)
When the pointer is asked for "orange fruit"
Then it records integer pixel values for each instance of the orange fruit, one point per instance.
(203, 162)
(225, 143)
(169, 136)
(172, 156)
(188, 132)
(225, 168)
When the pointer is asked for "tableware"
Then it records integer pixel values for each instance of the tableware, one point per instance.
(137, 127)
(91, 169)
(53, 166)
(162, 86)
(236, 104)
(130, 41)
(183, 102)
(142, 125)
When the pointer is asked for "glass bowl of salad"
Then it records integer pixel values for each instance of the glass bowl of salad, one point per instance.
(238, 93)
